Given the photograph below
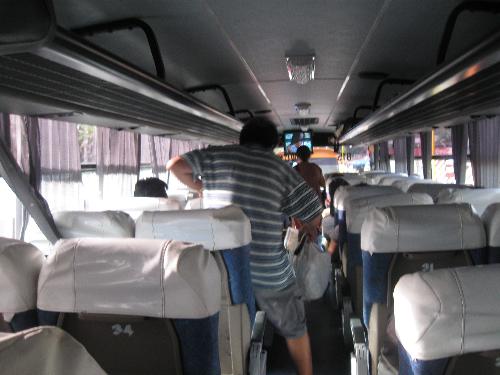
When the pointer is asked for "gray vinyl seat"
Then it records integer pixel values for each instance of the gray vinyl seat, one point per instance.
(44, 351)
(20, 265)
(135, 206)
(406, 239)
(105, 224)
(491, 220)
(448, 321)
(405, 184)
(434, 189)
(356, 211)
(479, 199)
(226, 233)
(138, 306)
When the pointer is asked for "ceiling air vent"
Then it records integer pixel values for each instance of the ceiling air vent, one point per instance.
(304, 121)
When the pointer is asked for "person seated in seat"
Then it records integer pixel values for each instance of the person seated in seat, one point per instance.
(151, 187)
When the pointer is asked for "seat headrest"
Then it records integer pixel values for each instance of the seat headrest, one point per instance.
(402, 229)
(405, 184)
(389, 180)
(163, 279)
(434, 189)
(358, 208)
(491, 220)
(134, 206)
(215, 229)
(479, 199)
(448, 312)
(355, 192)
(376, 179)
(20, 265)
(108, 224)
(45, 350)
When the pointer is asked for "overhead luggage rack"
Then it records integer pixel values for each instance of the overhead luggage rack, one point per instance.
(47, 71)
(467, 86)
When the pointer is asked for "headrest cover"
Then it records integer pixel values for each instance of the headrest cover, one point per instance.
(108, 224)
(491, 219)
(405, 184)
(355, 192)
(215, 229)
(479, 199)
(163, 279)
(45, 350)
(389, 180)
(353, 179)
(358, 208)
(20, 265)
(422, 228)
(448, 312)
(135, 206)
(433, 189)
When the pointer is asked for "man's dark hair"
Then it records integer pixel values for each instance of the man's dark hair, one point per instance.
(303, 153)
(259, 131)
(151, 187)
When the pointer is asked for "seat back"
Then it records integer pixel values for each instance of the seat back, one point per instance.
(138, 306)
(479, 199)
(356, 211)
(374, 179)
(20, 265)
(434, 189)
(45, 350)
(491, 220)
(106, 224)
(449, 313)
(389, 180)
(225, 231)
(354, 192)
(405, 239)
(134, 206)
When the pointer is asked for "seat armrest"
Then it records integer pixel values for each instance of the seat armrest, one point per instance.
(258, 356)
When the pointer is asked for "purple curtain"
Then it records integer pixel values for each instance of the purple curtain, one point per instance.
(60, 151)
(400, 155)
(117, 152)
(459, 150)
(484, 137)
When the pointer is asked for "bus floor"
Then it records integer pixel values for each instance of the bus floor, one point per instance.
(328, 350)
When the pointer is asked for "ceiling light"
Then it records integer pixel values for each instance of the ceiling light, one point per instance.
(300, 68)
(303, 109)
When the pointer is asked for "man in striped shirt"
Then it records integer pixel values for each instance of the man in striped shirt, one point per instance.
(251, 177)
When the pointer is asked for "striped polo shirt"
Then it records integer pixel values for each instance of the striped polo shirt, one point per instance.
(264, 187)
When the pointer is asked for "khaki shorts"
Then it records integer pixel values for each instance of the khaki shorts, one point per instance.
(284, 309)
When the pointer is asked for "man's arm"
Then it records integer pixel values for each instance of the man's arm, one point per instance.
(311, 227)
(183, 171)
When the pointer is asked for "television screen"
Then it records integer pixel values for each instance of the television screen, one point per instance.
(292, 140)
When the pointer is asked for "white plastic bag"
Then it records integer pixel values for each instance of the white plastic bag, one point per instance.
(312, 269)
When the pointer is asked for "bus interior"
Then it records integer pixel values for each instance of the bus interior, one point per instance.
(397, 101)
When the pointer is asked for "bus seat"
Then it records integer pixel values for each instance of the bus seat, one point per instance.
(357, 210)
(374, 179)
(106, 224)
(354, 192)
(138, 306)
(479, 199)
(491, 220)
(389, 180)
(434, 189)
(225, 231)
(406, 239)
(20, 265)
(405, 184)
(135, 206)
(448, 321)
(45, 350)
